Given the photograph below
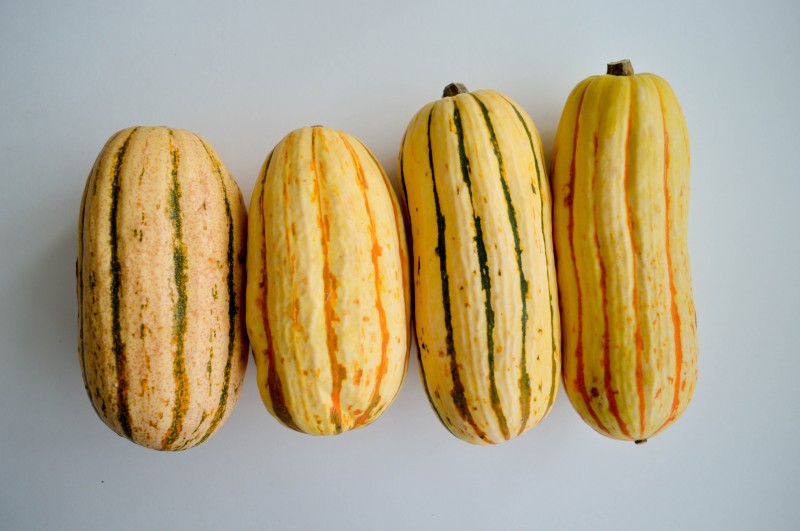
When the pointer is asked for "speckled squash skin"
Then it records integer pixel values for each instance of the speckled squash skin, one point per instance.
(328, 289)
(621, 196)
(484, 278)
(161, 237)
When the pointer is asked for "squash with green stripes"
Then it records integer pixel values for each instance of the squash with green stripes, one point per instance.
(160, 269)
(486, 302)
(328, 287)
(621, 196)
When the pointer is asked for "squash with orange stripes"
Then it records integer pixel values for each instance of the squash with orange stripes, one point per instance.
(161, 237)
(621, 196)
(328, 289)
(484, 276)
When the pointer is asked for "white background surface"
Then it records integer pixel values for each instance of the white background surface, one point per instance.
(243, 76)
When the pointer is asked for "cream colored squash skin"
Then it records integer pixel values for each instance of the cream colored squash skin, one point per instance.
(486, 300)
(160, 269)
(621, 196)
(328, 290)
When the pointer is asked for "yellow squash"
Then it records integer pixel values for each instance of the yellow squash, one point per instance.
(621, 196)
(328, 288)
(161, 238)
(485, 284)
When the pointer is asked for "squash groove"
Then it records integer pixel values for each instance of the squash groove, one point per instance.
(375, 252)
(580, 379)
(676, 318)
(548, 262)
(459, 399)
(116, 281)
(233, 308)
(486, 281)
(179, 319)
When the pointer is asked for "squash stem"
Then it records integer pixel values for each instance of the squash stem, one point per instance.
(454, 89)
(620, 68)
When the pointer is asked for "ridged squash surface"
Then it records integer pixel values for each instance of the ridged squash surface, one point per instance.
(328, 292)
(486, 300)
(161, 236)
(621, 196)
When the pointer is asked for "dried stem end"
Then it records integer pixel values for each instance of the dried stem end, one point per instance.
(454, 89)
(620, 68)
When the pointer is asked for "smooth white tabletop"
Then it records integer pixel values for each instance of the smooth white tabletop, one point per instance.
(243, 74)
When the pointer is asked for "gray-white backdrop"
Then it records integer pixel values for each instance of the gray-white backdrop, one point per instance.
(243, 74)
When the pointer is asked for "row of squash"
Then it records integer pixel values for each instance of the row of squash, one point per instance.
(516, 281)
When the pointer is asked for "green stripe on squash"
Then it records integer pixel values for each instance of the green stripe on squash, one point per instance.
(524, 380)
(123, 415)
(486, 281)
(459, 398)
